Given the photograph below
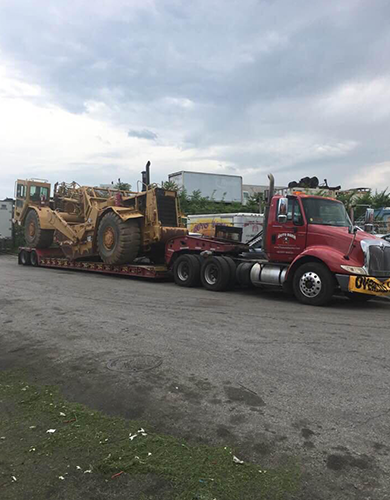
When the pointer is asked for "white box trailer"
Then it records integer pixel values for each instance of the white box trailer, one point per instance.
(219, 187)
(6, 207)
(204, 224)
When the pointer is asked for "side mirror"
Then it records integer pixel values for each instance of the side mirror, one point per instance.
(282, 210)
(369, 220)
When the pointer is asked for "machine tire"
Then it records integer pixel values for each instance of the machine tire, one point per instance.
(24, 258)
(34, 259)
(118, 241)
(233, 270)
(215, 274)
(35, 236)
(243, 274)
(313, 284)
(359, 298)
(186, 270)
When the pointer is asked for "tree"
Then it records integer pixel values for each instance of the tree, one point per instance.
(122, 186)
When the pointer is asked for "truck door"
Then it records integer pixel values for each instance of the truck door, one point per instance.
(20, 197)
(287, 239)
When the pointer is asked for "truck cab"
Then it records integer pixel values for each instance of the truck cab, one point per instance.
(311, 247)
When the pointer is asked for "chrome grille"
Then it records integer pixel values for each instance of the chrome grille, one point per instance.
(379, 260)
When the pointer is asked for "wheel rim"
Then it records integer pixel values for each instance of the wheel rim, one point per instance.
(183, 271)
(211, 274)
(310, 284)
(109, 238)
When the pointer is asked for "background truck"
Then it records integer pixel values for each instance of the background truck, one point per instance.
(6, 233)
(205, 224)
(309, 248)
(227, 188)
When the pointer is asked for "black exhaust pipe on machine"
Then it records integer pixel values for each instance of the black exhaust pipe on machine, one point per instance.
(146, 177)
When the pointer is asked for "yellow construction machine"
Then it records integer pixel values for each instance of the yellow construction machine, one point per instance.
(117, 226)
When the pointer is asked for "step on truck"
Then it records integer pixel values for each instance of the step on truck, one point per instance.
(309, 246)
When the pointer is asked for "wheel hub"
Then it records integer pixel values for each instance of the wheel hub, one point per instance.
(31, 229)
(183, 271)
(109, 238)
(310, 284)
(211, 274)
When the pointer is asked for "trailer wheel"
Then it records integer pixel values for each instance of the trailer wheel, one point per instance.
(358, 297)
(313, 284)
(24, 258)
(186, 271)
(34, 235)
(243, 274)
(233, 269)
(34, 258)
(215, 274)
(118, 241)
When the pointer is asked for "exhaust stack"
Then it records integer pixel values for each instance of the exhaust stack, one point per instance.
(270, 195)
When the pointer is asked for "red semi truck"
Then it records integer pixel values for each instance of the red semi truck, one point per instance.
(309, 247)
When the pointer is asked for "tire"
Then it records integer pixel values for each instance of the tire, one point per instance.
(243, 274)
(233, 269)
(215, 274)
(186, 271)
(360, 298)
(34, 235)
(118, 241)
(24, 258)
(313, 284)
(34, 258)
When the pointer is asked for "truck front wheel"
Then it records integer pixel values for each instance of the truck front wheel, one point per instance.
(313, 284)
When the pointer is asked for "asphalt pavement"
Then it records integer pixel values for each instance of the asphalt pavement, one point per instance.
(280, 381)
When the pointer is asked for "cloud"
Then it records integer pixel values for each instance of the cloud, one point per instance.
(250, 87)
(143, 134)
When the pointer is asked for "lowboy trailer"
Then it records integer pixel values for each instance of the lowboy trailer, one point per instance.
(309, 248)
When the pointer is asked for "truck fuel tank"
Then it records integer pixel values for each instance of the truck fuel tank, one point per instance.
(268, 274)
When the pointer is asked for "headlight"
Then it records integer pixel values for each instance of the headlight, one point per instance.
(354, 270)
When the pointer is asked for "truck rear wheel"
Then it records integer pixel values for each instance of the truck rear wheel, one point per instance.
(232, 268)
(215, 274)
(24, 258)
(118, 241)
(186, 270)
(34, 258)
(35, 236)
(313, 284)
(244, 274)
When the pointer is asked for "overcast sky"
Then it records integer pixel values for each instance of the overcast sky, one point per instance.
(91, 90)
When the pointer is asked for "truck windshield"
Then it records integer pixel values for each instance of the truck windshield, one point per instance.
(325, 212)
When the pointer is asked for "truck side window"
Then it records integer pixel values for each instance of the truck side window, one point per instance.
(297, 214)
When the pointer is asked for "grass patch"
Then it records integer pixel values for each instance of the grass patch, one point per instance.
(91, 455)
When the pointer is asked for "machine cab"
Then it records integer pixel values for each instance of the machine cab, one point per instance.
(30, 192)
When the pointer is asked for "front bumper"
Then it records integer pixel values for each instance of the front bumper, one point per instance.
(364, 284)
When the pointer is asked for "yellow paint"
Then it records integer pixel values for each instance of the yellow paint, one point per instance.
(206, 226)
(368, 285)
